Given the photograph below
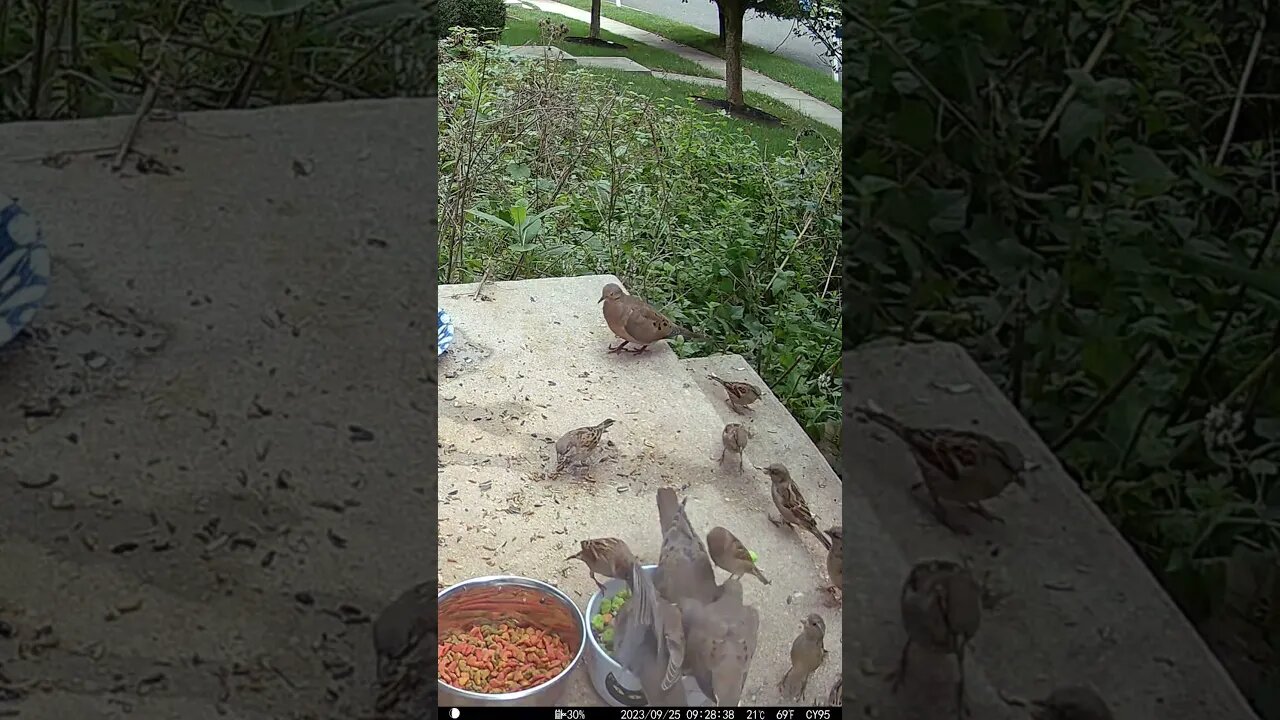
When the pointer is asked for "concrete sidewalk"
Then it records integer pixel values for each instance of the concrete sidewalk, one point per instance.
(752, 81)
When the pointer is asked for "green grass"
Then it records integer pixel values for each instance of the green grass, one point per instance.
(806, 79)
(522, 29)
(770, 139)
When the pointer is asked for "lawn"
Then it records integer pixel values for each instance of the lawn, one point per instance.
(809, 80)
(522, 29)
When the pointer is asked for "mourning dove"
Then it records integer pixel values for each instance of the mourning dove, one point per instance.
(684, 568)
(791, 504)
(958, 466)
(576, 446)
(941, 605)
(404, 640)
(739, 395)
(734, 438)
(649, 641)
(807, 653)
(835, 562)
(608, 556)
(635, 321)
(720, 642)
(1075, 702)
(728, 553)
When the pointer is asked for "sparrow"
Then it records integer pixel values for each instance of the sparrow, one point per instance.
(835, 562)
(941, 605)
(649, 641)
(740, 395)
(1075, 702)
(807, 654)
(720, 642)
(958, 466)
(728, 553)
(403, 636)
(635, 321)
(836, 697)
(684, 568)
(578, 444)
(791, 504)
(734, 438)
(608, 556)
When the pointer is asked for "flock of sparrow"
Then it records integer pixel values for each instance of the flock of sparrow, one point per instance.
(680, 622)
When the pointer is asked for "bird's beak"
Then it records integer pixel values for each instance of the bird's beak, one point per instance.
(600, 300)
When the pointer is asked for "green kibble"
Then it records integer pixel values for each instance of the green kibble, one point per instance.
(597, 621)
(754, 556)
(607, 636)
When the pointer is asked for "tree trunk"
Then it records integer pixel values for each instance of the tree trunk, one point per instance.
(732, 13)
(720, 17)
(595, 20)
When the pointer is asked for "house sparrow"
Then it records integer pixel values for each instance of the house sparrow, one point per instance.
(608, 556)
(791, 504)
(835, 562)
(720, 642)
(1074, 702)
(807, 653)
(728, 553)
(734, 438)
(649, 641)
(575, 446)
(740, 395)
(941, 606)
(635, 321)
(958, 466)
(684, 568)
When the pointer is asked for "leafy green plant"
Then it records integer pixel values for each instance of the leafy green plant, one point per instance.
(486, 16)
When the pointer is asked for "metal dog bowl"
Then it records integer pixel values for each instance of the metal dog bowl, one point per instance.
(613, 683)
(24, 268)
(526, 601)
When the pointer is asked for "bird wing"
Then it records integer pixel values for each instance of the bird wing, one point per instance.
(644, 323)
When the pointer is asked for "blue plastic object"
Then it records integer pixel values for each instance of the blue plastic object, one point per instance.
(444, 332)
(24, 268)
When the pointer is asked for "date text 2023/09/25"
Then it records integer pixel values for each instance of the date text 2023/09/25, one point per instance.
(649, 713)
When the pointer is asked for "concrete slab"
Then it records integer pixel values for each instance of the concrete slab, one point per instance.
(611, 63)
(212, 533)
(539, 52)
(1080, 606)
(532, 364)
(691, 79)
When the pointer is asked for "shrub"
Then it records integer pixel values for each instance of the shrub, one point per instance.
(489, 17)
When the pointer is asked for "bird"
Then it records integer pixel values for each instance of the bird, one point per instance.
(578, 444)
(1073, 702)
(608, 556)
(720, 640)
(728, 553)
(835, 698)
(636, 322)
(807, 653)
(404, 635)
(734, 438)
(835, 561)
(791, 504)
(959, 466)
(941, 606)
(649, 641)
(740, 395)
(684, 568)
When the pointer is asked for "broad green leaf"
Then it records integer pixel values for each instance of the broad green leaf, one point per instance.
(519, 212)
(906, 82)
(267, 8)
(1211, 183)
(1266, 282)
(1142, 163)
(518, 171)
(1080, 121)
(873, 184)
(491, 218)
(950, 210)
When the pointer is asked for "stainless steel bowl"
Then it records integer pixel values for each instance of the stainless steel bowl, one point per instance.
(614, 683)
(528, 602)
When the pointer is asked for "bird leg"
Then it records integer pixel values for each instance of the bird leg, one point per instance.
(619, 348)
(596, 580)
(777, 522)
(642, 349)
(962, 710)
(897, 676)
(721, 458)
(740, 461)
(985, 514)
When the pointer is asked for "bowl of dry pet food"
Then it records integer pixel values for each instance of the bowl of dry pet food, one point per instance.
(506, 640)
(612, 682)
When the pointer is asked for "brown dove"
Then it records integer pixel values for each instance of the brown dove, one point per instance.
(720, 640)
(649, 641)
(635, 321)
(728, 553)
(608, 556)
(835, 562)
(791, 504)
(958, 466)
(1075, 702)
(734, 438)
(807, 653)
(684, 568)
(740, 395)
(941, 605)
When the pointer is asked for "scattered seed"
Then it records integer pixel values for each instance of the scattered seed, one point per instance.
(124, 548)
(337, 540)
(38, 484)
(359, 434)
(58, 500)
